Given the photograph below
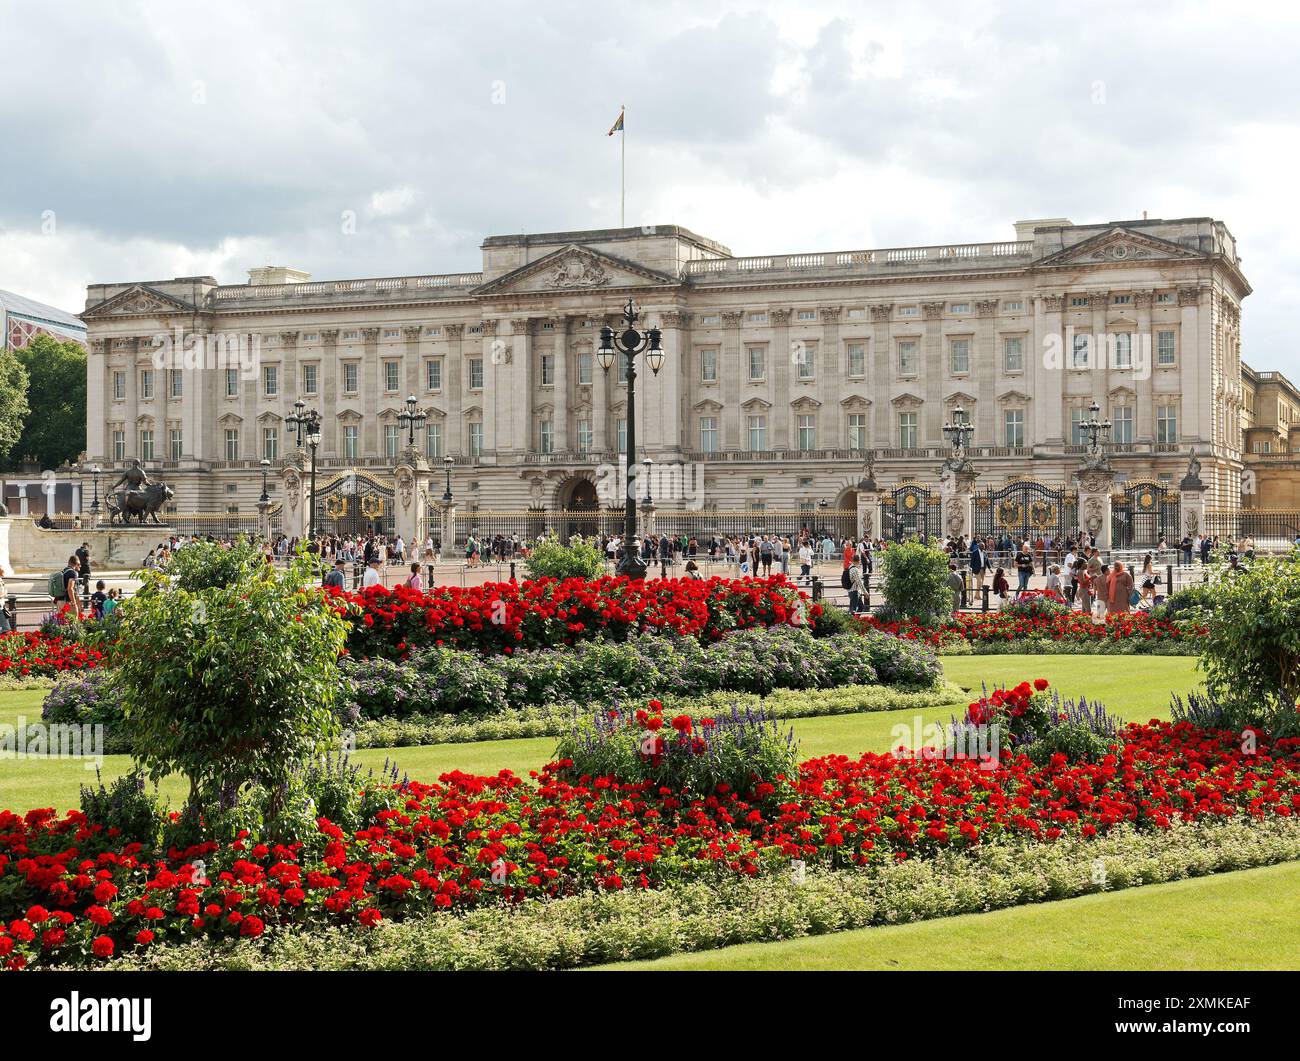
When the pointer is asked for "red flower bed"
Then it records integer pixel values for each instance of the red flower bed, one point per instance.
(1074, 627)
(69, 894)
(546, 612)
(32, 654)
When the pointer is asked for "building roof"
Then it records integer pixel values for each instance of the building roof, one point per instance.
(39, 311)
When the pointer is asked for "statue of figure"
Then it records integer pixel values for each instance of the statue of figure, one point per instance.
(134, 478)
(1192, 480)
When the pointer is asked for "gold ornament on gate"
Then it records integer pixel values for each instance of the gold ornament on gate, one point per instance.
(1009, 513)
(1042, 514)
(336, 507)
(372, 506)
(909, 501)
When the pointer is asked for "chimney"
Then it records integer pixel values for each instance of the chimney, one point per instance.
(277, 274)
(1025, 229)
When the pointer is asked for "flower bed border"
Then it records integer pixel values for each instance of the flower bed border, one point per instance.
(635, 925)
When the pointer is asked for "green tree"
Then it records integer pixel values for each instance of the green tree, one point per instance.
(55, 432)
(13, 402)
(229, 675)
(916, 580)
(1250, 650)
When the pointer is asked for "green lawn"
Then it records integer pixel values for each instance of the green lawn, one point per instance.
(1136, 687)
(1243, 920)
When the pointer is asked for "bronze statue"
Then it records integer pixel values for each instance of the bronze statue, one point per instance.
(141, 502)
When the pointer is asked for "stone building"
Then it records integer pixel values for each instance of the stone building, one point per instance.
(783, 373)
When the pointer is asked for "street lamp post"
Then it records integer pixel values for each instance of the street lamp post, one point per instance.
(94, 501)
(305, 424)
(1098, 431)
(447, 462)
(958, 432)
(629, 343)
(265, 499)
(412, 419)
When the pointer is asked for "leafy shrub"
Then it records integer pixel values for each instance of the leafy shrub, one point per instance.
(230, 685)
(1083, 731)
(548, 558)
(1186, 603)
(1035, 605)
(916, 580)
(89, 698)
(830, 620)
(124, 809)
(1250, 650)
(899, 662)
(741, 752)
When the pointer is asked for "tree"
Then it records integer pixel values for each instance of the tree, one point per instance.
(229, 674)
(56, 394)
(1250, 650)
(549, 559)
(13, 402)
(916, 580)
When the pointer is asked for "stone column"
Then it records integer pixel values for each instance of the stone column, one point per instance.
(779, 365)
(868, 505)
(957, 497)
(371, 396)
(1095, 485)
(929, 428)
(447, 513)
(985, 370)
(455, 436)
(295, 482)
(409, 478)
(882, 373)
(1144, 417)
(328, 385)
(830, 377)
(730, 369)
(1046, 381)
(670, 384)
(560, 417)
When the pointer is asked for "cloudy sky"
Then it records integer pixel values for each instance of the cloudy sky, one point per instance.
(145, 139)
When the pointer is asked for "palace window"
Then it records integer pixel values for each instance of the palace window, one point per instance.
(807, 315)
(476, 373)
(806, 357)
(392, 441)
(1082, 350)
(1013, 353)
(620, 430)
(708, 434)
(757, 432)
(1164, 296)
(232, 382)
(146, 383)
(1165, 348)
(708, 364)
(177, 443)
(807, 432)
(270, 380)
(857, 359)
(433, 374)
(546, 436)
(146, 445)
(392, 382)
(548, 370)
(175, 382)
(585, 361)
(119, 445)
(1167, 424)
(1016, 306)
(1123, 350)
(907, 430)
(119, 385)
(585, 437)
(1121, 424)
(433, 440)
(351, 449)
(959, 307)
(270, 443)
(907, 357)
(351, 372)
(959, 352)
(1076, 425)
(757, 363)
(232, 443)
(857, 430)
(476, 440)
(1014, 421)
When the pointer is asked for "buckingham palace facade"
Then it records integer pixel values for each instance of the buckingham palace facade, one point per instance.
(783, 373)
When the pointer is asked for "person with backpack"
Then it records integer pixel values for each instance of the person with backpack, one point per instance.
(63, 585)
(97, 600)
(83, 555)
(337, 579)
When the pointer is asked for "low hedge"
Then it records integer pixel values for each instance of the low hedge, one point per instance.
(444, 681)
(1032, 646)
(552, 720)
(630, 925)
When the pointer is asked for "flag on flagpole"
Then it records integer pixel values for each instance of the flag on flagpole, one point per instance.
(617, 127)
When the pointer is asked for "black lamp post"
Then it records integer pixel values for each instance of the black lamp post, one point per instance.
(629, 343)
(265, 499)
(305, 424)
(412, 419)
(1098, 431)
(446, 494)
(958, 431)
(94, 501)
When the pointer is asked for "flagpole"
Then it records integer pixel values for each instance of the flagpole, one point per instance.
(622, 169)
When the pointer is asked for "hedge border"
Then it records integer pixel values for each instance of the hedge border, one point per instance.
(637, 925)
(552, 720)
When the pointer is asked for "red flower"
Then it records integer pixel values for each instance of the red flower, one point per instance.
(102, 947)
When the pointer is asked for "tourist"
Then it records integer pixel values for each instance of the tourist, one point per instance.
(805, 560)
(97, 600)
(83, 554)
(1054, 584)
(957, 584)
(857, 588)
(978, 564)
(693, 570)
(69, 579)
(1024, 561)
(1119, 590)
(1083, 586)
(414, 580)
(337, 578)
(371, 577)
